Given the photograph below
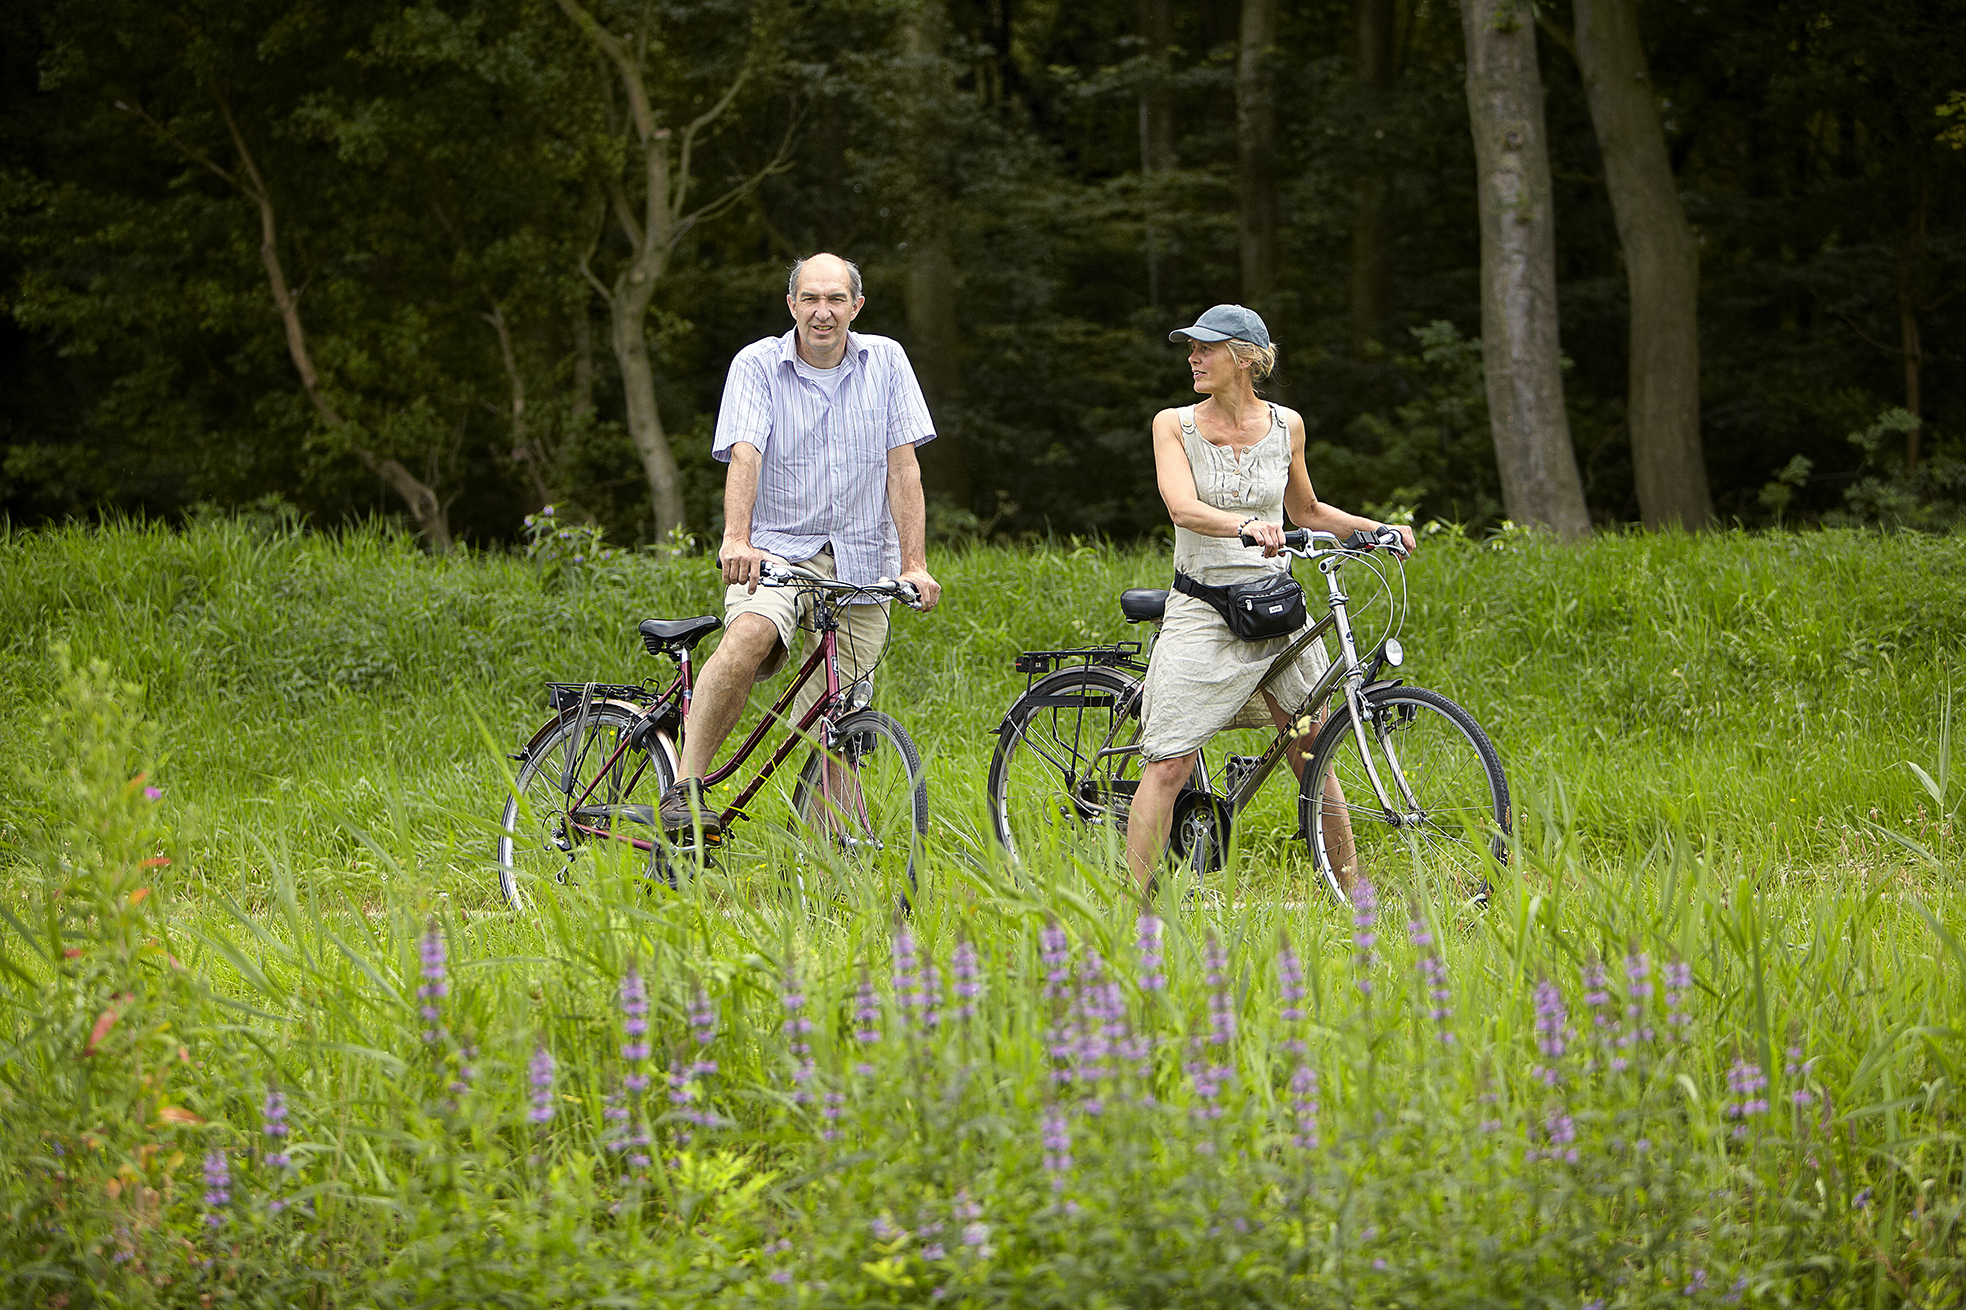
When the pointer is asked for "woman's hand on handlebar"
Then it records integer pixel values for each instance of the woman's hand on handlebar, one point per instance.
(1262, 532)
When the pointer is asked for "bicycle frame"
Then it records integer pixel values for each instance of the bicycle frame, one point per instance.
(678, 696)
(1346, 668)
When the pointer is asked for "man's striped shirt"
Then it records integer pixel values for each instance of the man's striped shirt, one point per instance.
(823, 476)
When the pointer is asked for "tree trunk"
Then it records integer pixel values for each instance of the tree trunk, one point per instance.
(931, 274)
(1908, 335)
(1521, 358)
(525, 452)
(432, 519)
(1371, 282)
(1662, 268)
(1256, 141)
(628, 312)
(583, 365)
(1156, 120)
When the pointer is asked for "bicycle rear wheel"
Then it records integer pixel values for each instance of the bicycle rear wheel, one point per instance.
(866, 804)
(1448, 814)
(1067, 762)
(544, 835)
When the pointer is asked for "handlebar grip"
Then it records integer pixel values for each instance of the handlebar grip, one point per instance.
(1384, 535)
(1295, 538)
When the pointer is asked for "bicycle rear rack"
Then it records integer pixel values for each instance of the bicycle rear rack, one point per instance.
(564, 696)
(1120, 654)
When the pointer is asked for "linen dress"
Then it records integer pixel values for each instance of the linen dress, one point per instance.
(1202, 676)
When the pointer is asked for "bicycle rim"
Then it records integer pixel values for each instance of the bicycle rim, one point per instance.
(1065, 770)
(541, 842)
(863, 809)
(1448, 821)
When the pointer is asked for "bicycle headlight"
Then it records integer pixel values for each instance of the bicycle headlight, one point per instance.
(1394, 653)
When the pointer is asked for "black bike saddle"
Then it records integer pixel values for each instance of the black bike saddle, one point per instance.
(669, 636)
(1142, 604)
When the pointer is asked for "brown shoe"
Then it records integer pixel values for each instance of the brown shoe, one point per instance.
(683, 810)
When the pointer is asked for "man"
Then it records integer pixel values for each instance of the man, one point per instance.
(819, 428)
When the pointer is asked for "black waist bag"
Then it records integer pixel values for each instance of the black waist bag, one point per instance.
(1259, 610)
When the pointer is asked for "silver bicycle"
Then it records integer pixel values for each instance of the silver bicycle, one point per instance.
(1397, 777)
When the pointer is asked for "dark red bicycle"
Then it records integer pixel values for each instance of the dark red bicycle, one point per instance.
(590, 781)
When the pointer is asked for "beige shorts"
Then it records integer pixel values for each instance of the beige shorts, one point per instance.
(862, 636)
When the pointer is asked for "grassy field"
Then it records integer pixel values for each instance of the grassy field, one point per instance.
(1709, 737)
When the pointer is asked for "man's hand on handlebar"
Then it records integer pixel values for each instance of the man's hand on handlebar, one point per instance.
(929, 590)
(742, 563)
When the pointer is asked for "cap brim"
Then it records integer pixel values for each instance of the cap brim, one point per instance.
(1199, 333)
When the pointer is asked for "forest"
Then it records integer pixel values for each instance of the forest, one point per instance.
(1586, 263)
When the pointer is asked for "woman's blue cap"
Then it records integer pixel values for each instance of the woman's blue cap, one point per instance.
(1225, 322)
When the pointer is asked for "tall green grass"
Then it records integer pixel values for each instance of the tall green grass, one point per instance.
(1708, 734)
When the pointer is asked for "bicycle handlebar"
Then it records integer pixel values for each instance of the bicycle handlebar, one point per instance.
(771, 574)
(1298, 541)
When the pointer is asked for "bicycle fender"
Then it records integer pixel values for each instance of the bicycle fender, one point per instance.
(665, 724)
(1038, 698)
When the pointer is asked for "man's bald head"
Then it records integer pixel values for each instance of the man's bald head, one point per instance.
(828, 264)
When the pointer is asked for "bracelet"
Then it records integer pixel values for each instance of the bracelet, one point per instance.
(1244, 525)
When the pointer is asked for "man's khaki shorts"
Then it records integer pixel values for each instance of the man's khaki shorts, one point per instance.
(863, 630)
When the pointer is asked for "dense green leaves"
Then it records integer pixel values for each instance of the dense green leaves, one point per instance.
(438, 175)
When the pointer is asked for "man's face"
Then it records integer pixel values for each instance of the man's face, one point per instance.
(823, 307)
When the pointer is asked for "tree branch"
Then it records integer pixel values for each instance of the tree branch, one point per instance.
(624, 60)
(1554, 30)
(696, 125)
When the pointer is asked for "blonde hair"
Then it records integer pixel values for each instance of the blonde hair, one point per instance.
(1262, 360)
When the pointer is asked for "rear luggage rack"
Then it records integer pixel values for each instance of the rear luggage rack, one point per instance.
(565, 696)
(1121, 654)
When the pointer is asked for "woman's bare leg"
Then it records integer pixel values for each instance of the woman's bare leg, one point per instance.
(1152, 814)
(1337, 820)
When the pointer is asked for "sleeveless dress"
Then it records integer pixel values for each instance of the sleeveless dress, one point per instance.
(1202, 677)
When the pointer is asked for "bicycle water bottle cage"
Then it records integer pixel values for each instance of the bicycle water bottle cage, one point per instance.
(674, 637)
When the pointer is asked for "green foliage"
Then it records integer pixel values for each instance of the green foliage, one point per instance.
(1893, 491)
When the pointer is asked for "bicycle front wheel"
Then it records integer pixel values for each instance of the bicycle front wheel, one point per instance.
(866, 802)
(1067, 762)
(1443, 812)
(558, 821)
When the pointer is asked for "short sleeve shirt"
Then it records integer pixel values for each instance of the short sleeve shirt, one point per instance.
(823, 476)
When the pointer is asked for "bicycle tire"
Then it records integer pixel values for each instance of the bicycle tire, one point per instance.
(536, 840)
(1066, 767)
(876, 815)
(1460, 819)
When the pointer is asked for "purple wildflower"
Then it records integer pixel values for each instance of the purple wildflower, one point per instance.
(1057, 1147)
(835, 1104)
(1416, 932)
(218, 1187)
(867, 1011)
(969, 983)
(1552, 1027)
(1561, 1132)
(273, 1119)
(932, 996)
(1304, 1107)
(796, 1026)
(634, 1016)
(1433, 977)
(1698, 1284)
(1679, 980)
(1057, 952)
(153, 793)
(540, 1073)
(1746, 1081)
(886, 1230)
(703, 1018)
(908, 978)
(1365, 913)
(1597, 994)
(1147, 953)
(1221, 1006)
(1290, 981)
(434, 986)
(1733, 1296)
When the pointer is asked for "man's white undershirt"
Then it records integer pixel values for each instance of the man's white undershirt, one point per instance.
(827, 378)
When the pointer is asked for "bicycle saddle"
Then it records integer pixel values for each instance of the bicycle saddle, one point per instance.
(668, 636)
(1142, 604)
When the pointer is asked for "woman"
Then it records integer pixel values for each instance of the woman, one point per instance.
(1228, 466)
